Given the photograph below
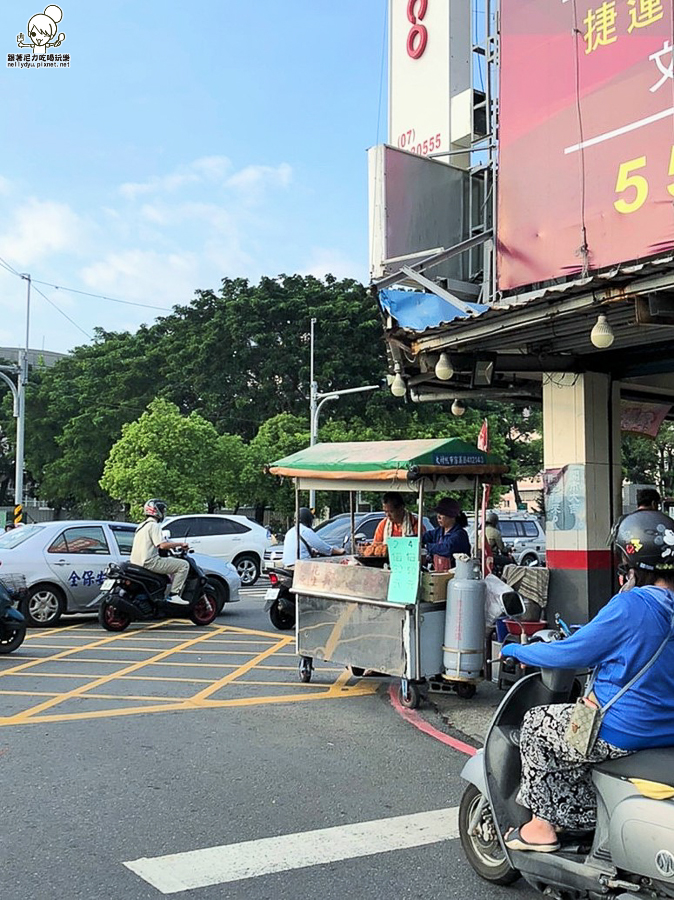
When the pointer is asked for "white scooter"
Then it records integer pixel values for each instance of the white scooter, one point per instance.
(629, 856)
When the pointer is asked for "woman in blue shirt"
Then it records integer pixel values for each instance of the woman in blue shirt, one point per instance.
(450, 537)
(622, 638)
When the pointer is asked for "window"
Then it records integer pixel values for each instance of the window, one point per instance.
(181, 527)
(124, 539)
(87, 539)
(530, 529)
(368, 528)
(508, 528)
(16, 536)
(218, 526)
(334, 531)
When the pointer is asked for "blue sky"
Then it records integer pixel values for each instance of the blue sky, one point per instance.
(186, 142)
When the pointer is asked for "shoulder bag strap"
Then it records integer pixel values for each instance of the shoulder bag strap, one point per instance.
(641, 671)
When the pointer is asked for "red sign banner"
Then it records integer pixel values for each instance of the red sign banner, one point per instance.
(586, 136)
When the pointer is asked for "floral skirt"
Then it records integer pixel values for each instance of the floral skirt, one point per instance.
(556, 779)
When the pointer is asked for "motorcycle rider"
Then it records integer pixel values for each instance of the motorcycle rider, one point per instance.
(618, 643)
(149, 540)
(310, 543)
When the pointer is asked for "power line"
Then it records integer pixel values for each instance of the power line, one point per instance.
(60, 287)
(65, 315)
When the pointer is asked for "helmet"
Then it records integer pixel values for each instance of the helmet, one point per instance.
(646, 540)
(156, 509)
(491, 518)
(306, 516)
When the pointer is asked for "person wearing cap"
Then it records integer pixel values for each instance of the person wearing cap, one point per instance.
(450, 537)
(310, 543)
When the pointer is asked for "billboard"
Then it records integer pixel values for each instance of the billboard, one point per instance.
(416, 205)
(430, 48)
(586, 156)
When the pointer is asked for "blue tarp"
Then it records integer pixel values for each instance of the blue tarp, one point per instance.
(417, 311)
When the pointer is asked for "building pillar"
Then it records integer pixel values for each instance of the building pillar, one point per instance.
(582, 484)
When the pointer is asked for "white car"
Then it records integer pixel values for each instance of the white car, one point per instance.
(64, 564)
(235, 539)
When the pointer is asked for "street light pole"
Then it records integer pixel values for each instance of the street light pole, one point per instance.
(316, 401)
(21, 418)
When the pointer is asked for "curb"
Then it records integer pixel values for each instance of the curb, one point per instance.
(409, 715)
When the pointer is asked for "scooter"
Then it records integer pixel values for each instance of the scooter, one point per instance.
(629, 856)
(12, 623)
(131, 593)
(279, 602)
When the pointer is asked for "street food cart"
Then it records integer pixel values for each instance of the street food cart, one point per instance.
(375, 613)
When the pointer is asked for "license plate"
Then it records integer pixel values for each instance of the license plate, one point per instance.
(272, 594)
(108, 584)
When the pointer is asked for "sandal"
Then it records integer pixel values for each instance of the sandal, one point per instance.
(514, 841)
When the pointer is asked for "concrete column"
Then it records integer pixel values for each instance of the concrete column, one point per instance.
(582, 479)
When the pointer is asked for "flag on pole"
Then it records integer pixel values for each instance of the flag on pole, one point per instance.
(487, 554)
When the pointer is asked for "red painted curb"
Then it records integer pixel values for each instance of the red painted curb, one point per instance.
(409, 715)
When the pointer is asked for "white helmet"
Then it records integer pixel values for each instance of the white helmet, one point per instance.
(156, 509)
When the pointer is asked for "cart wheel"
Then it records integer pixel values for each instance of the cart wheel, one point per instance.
(305, 670)
(465, 690)
(409, 694)
(356, 671)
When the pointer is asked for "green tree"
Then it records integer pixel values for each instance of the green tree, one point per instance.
(181, 459)
(277, 437)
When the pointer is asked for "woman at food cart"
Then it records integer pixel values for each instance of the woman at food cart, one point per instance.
(450, 537)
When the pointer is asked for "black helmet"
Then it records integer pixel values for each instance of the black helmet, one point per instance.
(646, 540)
(491, 518)
(156, 509)
(306, 516)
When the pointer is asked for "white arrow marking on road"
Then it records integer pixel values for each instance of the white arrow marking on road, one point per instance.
(249, 859)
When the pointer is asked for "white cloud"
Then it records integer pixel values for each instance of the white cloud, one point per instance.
(39, 229)
(324, 261)
(255, 177)
(205, 169)
(145, 276)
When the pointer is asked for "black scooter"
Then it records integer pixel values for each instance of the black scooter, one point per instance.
(279, 602)
(12, 623)
(131, 593)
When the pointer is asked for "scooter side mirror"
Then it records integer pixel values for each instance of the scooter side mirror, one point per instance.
(513, 605)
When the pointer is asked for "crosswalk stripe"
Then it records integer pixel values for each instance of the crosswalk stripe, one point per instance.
(250, 859)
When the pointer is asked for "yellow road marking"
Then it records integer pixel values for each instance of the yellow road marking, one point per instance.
(259, 646)
(241, 670)
(359, 691)
(106, 678)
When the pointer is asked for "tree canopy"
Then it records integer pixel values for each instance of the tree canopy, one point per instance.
(239, 359)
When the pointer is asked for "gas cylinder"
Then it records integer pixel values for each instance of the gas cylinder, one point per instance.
(463, 649)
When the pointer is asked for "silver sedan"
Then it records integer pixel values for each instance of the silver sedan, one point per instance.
(64, 564)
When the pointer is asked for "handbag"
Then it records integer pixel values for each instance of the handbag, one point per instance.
(585, 721)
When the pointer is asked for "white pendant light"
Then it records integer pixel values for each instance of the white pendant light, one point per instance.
(458, 407)
(443, 368)
(398, 386)
(602, 334)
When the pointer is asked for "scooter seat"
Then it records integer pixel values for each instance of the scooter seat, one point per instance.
(132, 570)
(647, 765)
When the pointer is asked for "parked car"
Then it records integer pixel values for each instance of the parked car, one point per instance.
(234, 539)
(64, 564)
(523, 532)
(336, 532)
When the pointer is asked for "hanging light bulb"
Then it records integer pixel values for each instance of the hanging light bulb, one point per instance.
(443, 368)
(458, 407)
(398, 386)
(602, 334)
